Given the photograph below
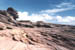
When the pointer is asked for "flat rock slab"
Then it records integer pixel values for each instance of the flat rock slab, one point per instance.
(8, 44)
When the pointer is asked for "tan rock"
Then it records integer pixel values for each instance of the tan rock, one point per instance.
(2, 26)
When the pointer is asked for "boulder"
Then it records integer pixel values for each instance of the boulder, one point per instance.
(12, 12)
(8, 16)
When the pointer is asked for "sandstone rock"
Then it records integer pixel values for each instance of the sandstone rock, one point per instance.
(13, 12)
(33, 36)
(42, 24)
(36, 39)
(2, 26)
(26, 24)
(9, 44)
(3, 12)
(9, 16)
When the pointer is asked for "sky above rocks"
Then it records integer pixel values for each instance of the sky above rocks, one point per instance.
(53, 11)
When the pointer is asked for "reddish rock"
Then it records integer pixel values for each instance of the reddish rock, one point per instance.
(26, 35)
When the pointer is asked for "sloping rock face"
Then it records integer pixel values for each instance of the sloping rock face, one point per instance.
(27, 35)
(8, 16)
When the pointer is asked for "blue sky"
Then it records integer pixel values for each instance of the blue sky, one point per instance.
(54, 11)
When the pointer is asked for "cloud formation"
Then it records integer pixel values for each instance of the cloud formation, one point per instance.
(66, 19)
(46, 17)
(60, 8)
(34, 17)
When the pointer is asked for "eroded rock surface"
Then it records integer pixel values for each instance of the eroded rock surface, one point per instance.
(8, 16)
(27, 35)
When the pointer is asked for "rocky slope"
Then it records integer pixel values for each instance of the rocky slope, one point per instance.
(26, 35)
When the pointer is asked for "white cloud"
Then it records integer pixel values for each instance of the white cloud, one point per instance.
(60, 8)
(53, 10)
(23, 16)
(67, 19)
(65, 5)
(34, 17)
(44, 15)
(47, 17)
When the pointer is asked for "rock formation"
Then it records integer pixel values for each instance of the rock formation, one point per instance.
(13, 12)
(8, 16)
(27, 35)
